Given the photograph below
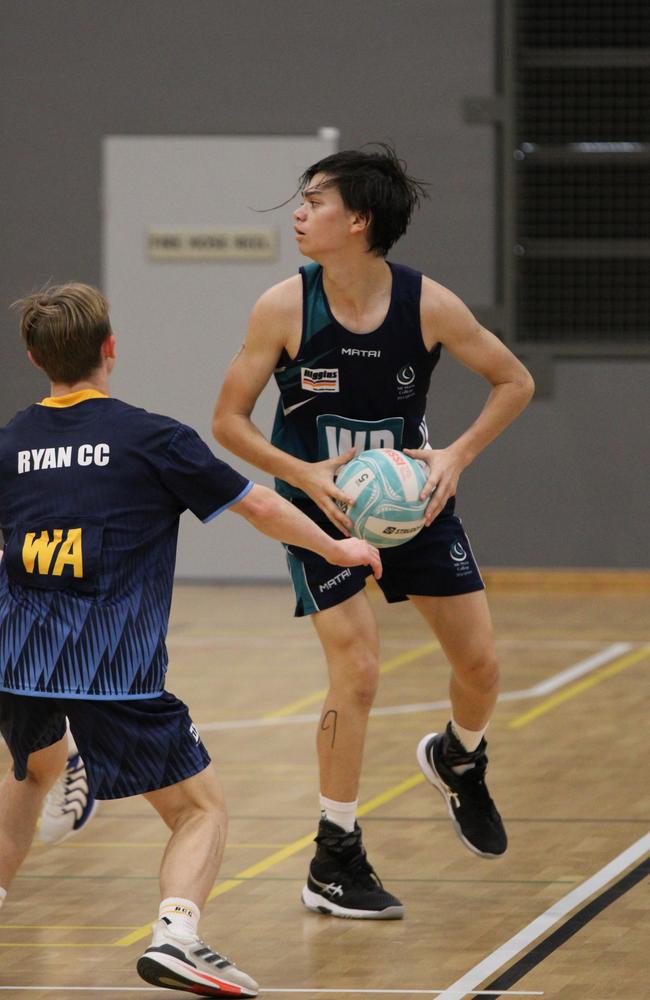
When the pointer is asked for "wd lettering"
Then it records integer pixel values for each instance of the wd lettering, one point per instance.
(49, 553)
(336, 434)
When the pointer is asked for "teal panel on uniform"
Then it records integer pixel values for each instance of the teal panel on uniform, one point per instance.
(316, 315)
(304, 597)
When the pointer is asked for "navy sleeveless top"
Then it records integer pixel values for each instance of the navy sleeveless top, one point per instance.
(348, 389)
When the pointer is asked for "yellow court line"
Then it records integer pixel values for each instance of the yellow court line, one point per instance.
(286, 852)
(76, 844)
(557, 699)
(64, 927)
(317, 696)
(55, 944)
(118, 845)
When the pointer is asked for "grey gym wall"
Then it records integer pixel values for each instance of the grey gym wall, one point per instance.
(179, 313)
(567, 485)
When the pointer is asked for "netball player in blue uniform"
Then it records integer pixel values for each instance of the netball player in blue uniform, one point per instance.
(353, 341)
(91, 491)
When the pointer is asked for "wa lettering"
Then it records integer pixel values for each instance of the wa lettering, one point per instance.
(49, 553)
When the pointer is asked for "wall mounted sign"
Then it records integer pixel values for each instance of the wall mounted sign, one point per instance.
(212, 244)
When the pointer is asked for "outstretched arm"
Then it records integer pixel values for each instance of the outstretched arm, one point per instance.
(276, 517)
(446, 319)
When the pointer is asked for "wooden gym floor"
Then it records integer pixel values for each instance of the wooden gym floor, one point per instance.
(565, 915)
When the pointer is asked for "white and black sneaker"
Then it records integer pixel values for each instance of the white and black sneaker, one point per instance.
(342, 882)
(471, 809)
(190, 965)
(68, 806)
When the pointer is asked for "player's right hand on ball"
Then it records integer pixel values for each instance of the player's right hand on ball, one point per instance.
(355, 552)
(317, 481)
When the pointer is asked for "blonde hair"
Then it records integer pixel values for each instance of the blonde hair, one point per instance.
(64, 327)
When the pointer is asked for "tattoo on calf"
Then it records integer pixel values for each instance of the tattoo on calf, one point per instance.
(330, 723)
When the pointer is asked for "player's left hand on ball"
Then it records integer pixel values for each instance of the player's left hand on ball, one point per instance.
(316, 479)
(355, 552)
(444, 472)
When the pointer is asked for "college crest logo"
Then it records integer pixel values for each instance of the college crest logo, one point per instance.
(457, 552)
(406, 375)
(406, 382)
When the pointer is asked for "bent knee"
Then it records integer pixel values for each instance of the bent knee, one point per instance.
(357, 678)
(481, 672)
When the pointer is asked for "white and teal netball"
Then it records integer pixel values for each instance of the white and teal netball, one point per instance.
(385, 486)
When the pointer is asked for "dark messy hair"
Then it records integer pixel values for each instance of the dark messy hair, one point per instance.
(375, 184)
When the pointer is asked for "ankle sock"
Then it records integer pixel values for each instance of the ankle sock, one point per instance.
(469, 739)
(181, 916)
(3, 895)
(342, 813)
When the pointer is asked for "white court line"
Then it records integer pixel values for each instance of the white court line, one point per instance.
(300, 641)
(580, 669)
(537, 690)
(310, 992)
(537, 928)
(479, 993)
(264, 641)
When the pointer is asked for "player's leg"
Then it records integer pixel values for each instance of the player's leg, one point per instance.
(455, 761)
(195, 812)
(341, 881)
(33, 729)
(70, 804)
(349, 637)
(20, 804)
(463, 627)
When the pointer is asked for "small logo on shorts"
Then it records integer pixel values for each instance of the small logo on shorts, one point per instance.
(334, 582)
(194, 733)
(457, 552)
(406, 375)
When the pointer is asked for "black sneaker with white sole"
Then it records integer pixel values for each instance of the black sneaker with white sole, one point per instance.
(341, 880)
(472, 811)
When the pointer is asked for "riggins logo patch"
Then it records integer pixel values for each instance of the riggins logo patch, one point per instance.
(319, 379)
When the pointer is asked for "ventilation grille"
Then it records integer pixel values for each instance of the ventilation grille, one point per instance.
(581, 220)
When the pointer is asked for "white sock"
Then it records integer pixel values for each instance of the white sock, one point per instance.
(181, 916)
(470, 740)
(3, 895)
(468, 737)
(341, 813)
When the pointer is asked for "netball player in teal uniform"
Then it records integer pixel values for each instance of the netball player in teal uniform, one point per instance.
(352, 341)
(91, 491)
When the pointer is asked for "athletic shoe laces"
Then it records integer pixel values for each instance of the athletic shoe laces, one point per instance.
(348, 853)
(470, 787)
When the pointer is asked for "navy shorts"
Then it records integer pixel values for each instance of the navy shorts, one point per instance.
(129, 747)
(437, 562)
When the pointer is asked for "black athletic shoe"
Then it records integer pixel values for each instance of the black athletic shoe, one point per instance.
(341, 880)
(472, 811)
